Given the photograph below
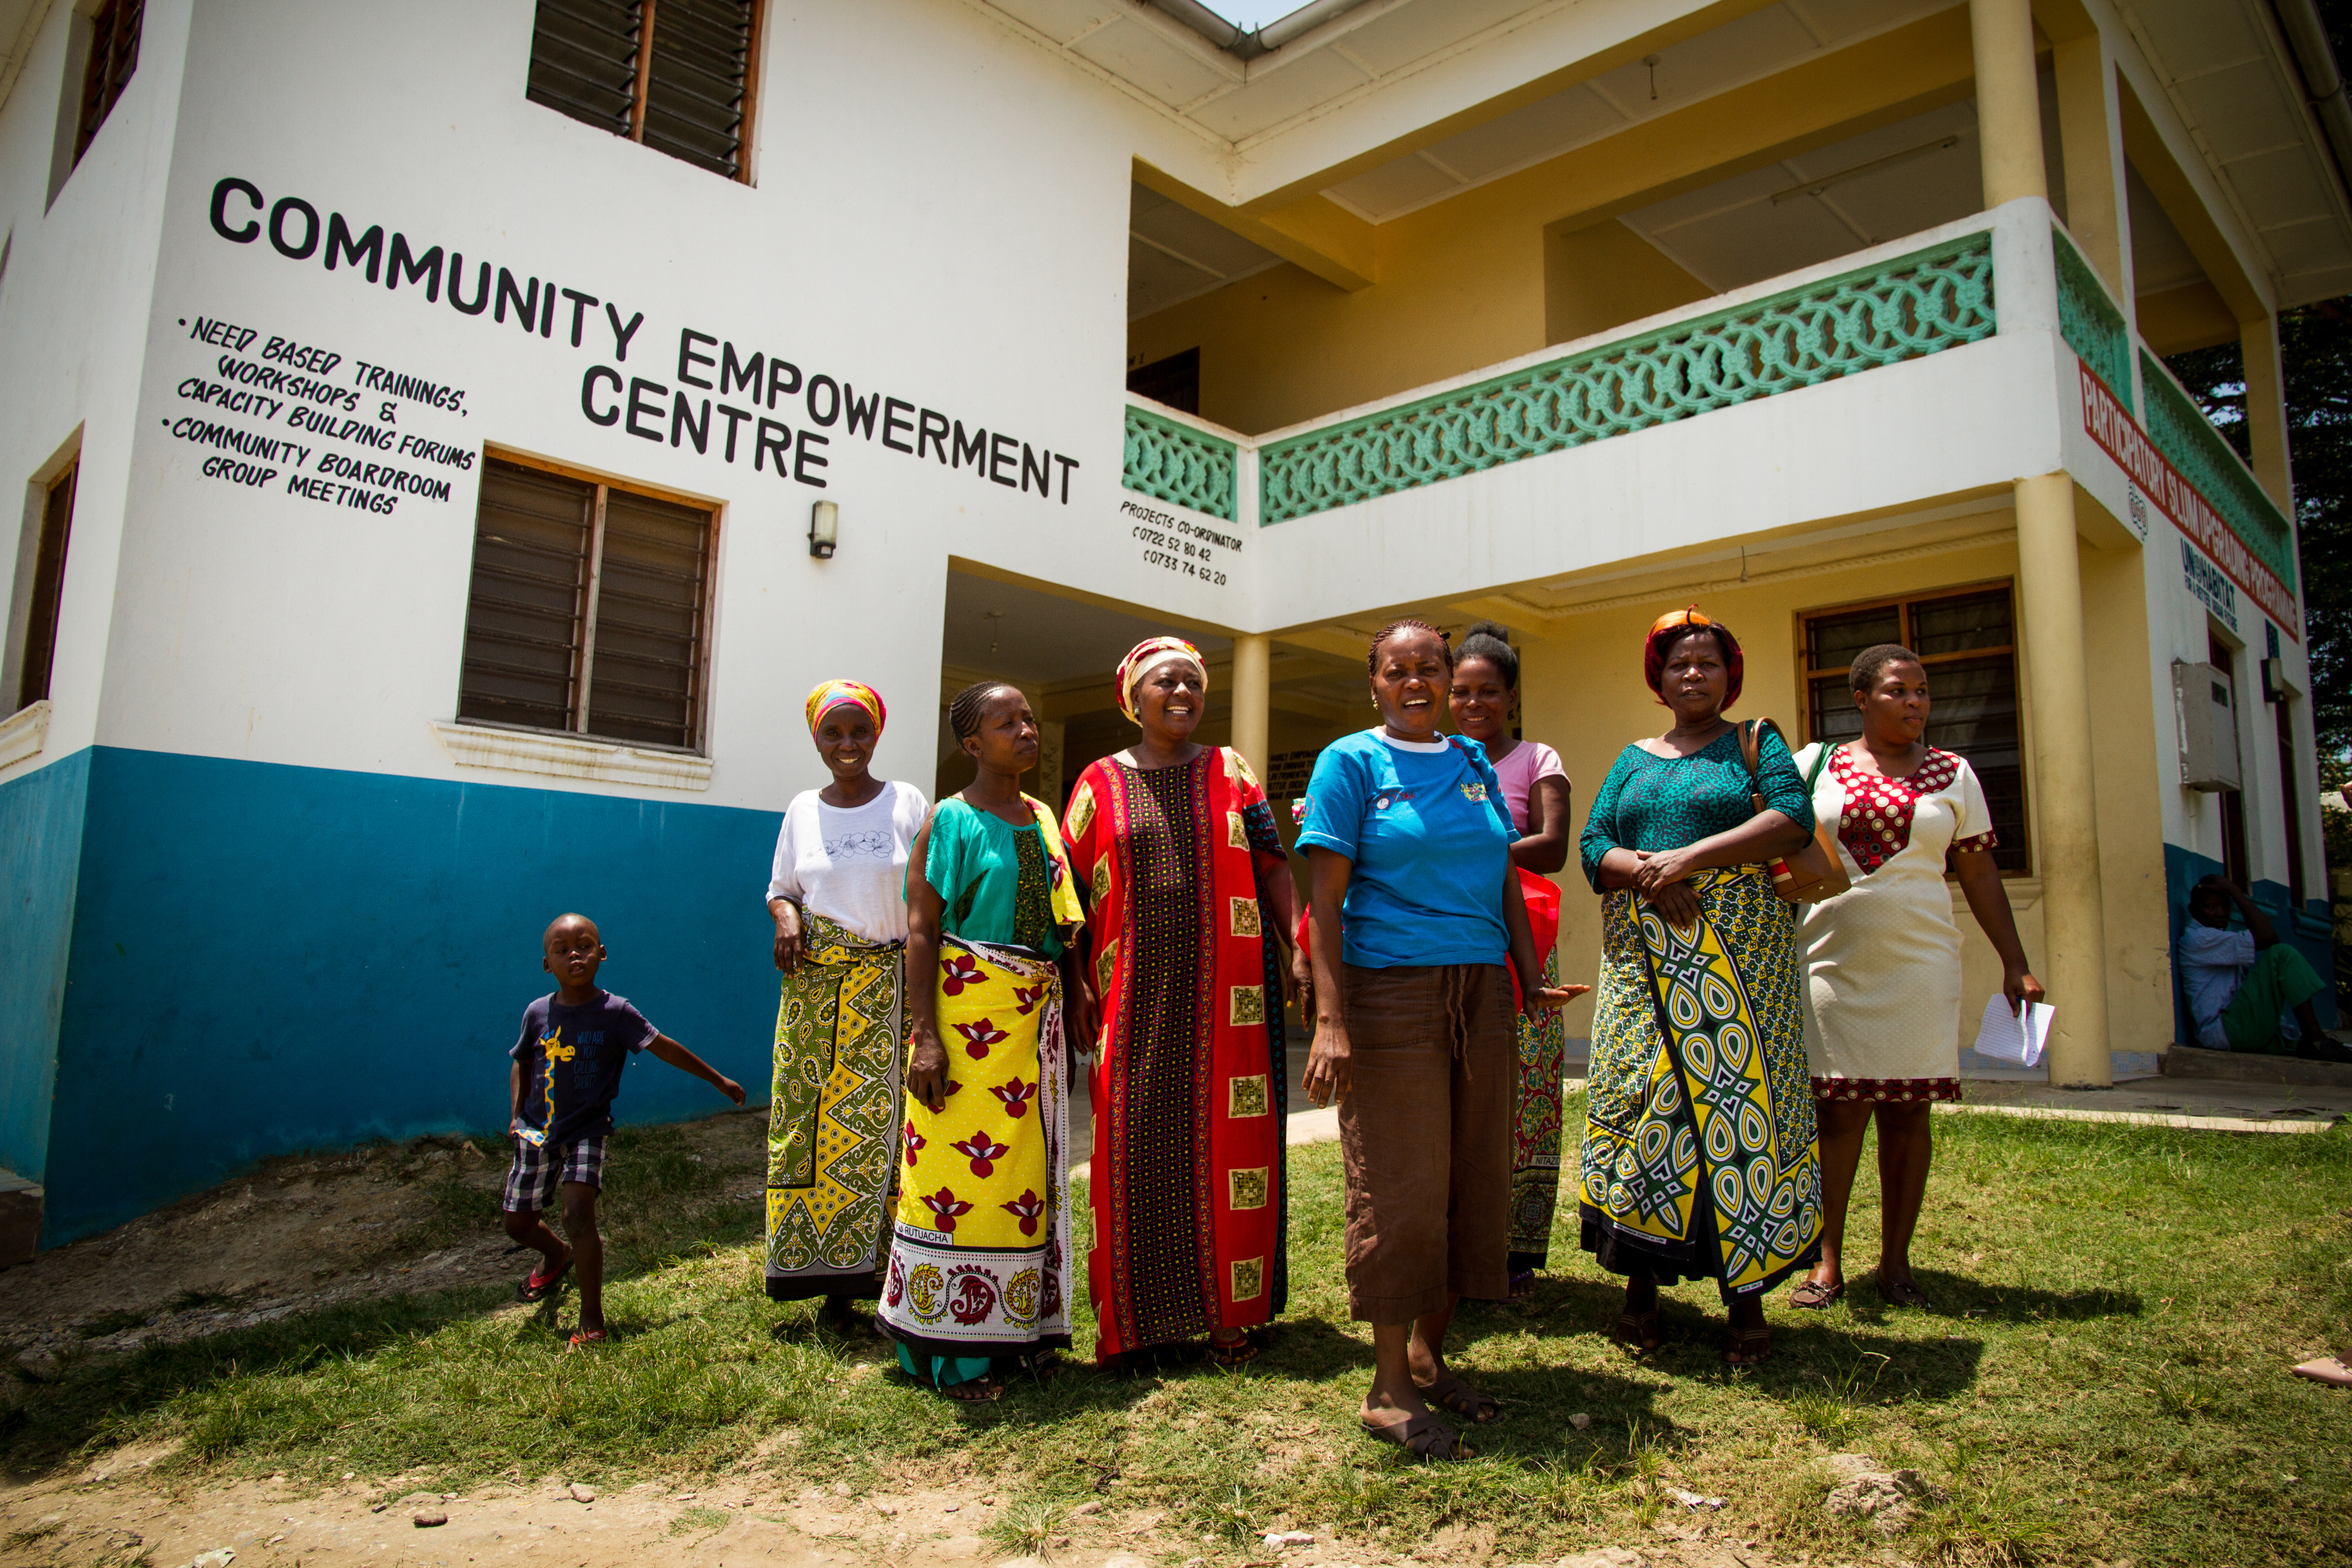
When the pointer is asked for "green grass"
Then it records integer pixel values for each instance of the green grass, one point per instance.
(2106, 1378)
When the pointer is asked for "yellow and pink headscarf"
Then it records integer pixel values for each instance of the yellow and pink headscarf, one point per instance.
(831, 694)
(1147, 656)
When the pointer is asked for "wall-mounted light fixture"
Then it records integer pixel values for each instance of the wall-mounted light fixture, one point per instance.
(825, 529)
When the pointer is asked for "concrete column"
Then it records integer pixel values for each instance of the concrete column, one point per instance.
(2266, 410)
(2090, 137)
(1253, 698)
(2066, 847)
(2009, 103)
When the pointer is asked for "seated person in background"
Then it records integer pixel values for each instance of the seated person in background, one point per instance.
(2243, 983)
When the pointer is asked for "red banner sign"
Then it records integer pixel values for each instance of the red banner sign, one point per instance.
(2120, 437)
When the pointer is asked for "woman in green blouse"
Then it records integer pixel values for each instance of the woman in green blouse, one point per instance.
(980, 1248)
(1699, 1157)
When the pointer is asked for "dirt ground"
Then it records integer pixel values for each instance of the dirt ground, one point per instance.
(297, 1234)
(303, 1233)
(111, 1517)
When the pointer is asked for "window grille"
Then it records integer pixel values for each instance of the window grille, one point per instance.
(1968, 642)
(588, 610)
(1288, 773)
(676, 74)
(48, 589)
(113, 56)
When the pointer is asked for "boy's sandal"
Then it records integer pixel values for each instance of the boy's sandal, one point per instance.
(587, 1337)
(1637, 1331)
(1464, 1400)
(535, 1285)
(1424, 1438)
(1745, 1347)
(1812, 1295)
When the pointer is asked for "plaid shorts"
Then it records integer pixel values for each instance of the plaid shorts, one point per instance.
(534, 1179)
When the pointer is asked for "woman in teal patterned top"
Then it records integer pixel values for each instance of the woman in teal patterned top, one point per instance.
(1699, 1157)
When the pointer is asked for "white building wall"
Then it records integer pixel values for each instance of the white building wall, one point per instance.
(73, 319)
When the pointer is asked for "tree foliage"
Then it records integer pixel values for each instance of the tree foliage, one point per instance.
(2316, 357)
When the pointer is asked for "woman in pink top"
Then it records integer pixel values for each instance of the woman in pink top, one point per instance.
(1485, 696)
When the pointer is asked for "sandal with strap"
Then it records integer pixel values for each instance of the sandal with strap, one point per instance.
(1745, 1347)
(1233, 1352)
(1637, 1331)
(1813, 1296)
(587, 1337)
(1903, 1293)
(1464, 1400)
(1424, 1437)
(536, 1286)
(2327, 1369)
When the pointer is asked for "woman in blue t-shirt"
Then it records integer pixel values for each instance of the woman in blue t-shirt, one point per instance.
(1416, 907)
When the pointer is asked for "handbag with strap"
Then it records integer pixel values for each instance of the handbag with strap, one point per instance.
(1816, 871)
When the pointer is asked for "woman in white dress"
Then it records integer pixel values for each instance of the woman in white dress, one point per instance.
(838, 894)
(1882, 960)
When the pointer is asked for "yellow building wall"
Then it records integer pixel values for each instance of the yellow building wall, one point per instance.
(1582, 694)
(1471, 280)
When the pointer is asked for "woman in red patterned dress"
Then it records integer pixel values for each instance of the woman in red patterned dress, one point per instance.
(1190, 903)
(1882, 958)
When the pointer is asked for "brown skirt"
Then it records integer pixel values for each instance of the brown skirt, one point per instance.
(1425, 1132)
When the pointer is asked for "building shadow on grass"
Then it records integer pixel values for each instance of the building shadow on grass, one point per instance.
(88, 1399)
(1957, 1296)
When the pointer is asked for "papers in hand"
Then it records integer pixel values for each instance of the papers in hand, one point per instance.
(2014, 1036)
(534, 1136)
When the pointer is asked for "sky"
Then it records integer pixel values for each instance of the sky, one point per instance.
(1247, 15)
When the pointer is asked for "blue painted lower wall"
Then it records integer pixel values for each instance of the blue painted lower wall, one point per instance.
(2309, 931)
(40, 852)
(269, 958)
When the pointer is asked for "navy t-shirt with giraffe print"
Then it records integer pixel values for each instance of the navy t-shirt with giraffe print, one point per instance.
(571, 1059)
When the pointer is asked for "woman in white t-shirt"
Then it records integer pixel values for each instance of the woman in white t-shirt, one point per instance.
(838, 892)
(1535, 786)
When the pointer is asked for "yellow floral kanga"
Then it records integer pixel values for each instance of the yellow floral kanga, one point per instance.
(981, 1237)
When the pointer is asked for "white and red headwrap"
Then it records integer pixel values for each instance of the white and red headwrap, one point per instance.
(1147, 656)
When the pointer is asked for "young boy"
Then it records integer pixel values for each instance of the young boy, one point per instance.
(567, 1069)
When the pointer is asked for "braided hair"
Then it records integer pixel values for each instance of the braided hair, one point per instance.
(1397, 628)
(1491, 642)
(1876, 658)
(964, 710)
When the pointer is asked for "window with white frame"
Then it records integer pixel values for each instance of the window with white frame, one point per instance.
(678, 76)
(589, 609)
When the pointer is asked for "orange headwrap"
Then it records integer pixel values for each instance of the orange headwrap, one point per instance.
(831, 694)
(1670, 629)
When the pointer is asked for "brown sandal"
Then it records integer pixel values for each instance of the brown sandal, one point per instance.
(1745, 1347)
(1464, 1400)
(1637, 1331)
(1424, 1437)
(1812, 1295)
(1903, 1294)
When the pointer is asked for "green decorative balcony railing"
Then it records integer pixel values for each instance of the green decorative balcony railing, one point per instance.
(2090, 322)
(1176, 463)
(1906, 308)
(2190, 444)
